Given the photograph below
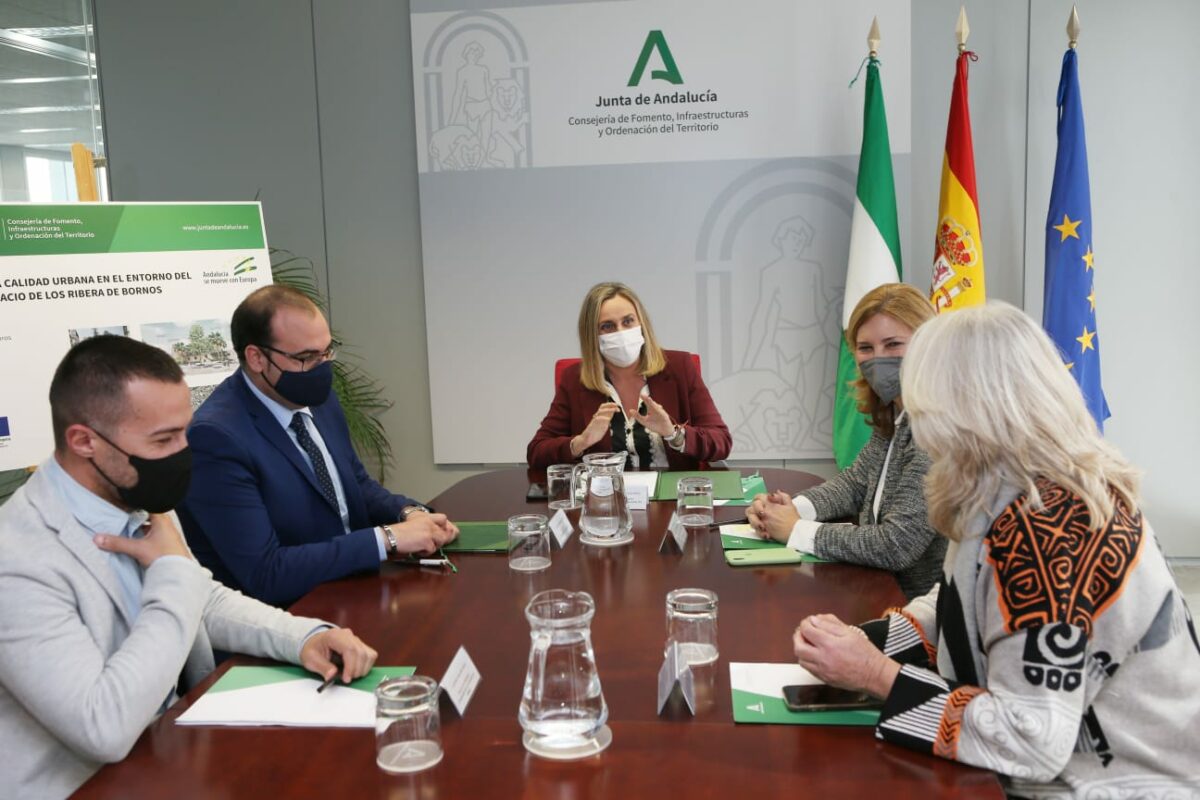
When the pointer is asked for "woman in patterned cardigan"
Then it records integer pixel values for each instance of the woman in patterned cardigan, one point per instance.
(1056, 649)
(882, 488)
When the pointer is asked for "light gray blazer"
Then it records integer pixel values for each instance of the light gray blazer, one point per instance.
(79, 681)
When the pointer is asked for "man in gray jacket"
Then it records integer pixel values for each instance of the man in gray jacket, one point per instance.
(104, 609)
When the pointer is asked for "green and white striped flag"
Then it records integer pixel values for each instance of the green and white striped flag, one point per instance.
(874, 258)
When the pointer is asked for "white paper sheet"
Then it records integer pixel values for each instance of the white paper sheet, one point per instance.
(289, 703)
(647, 479)
(288, 696)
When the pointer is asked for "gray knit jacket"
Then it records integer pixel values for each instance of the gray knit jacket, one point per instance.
(901, 539)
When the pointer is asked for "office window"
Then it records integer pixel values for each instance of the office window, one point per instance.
(49, 98)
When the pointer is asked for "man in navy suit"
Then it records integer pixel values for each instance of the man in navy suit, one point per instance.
(279, 502)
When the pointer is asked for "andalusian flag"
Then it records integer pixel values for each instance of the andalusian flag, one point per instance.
(874, 258)
(958, 247)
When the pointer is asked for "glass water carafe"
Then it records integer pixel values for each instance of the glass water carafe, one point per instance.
(562, 707)
(605, 514)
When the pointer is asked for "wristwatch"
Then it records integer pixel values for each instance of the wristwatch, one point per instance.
(392, 546)
(678, 438)
(409, 510)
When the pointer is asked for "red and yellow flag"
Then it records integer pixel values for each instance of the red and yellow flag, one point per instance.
(958, 246)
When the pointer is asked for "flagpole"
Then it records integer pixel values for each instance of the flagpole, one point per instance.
(1073, 28)
(873, 258)
(958, 278)
(1069, 289)
(962, 29)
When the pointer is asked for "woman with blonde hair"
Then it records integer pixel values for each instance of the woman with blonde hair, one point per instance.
(1056, 649)
(882, 488)
(627, 394)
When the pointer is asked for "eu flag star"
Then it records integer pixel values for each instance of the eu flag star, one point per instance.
(1089, 257)
(1067, 229)
(1091, 298)
(1085, 341)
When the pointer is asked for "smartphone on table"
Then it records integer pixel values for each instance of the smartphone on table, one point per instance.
(823, 697)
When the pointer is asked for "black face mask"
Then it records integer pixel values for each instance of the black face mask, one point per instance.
(162, 482)
(309, 388)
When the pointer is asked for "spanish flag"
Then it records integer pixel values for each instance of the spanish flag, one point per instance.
(958, 247)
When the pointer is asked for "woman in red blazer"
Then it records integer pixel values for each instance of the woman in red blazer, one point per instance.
(628, 394)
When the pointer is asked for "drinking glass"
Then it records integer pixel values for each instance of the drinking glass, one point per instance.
(694, 505)
(692, 623)
(408, 728)
(558, 486)
(528, 542)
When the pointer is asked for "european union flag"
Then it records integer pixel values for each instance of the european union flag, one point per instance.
(1069, 312)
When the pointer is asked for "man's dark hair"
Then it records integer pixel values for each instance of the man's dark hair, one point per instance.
(251, 323)
(89, 384)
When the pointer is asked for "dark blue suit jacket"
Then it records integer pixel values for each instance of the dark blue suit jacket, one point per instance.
(253, 513)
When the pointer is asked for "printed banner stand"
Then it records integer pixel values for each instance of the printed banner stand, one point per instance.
(168, 274)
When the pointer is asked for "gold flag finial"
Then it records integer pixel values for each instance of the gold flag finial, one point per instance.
(873, 38)
(962, 29)
(1073, 28)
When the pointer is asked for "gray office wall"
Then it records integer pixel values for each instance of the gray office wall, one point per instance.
(216, 101)
(312, 104)
(1137, 71)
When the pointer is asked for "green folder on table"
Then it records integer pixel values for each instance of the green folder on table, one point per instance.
(751, 485)
(758, 697)
(727, 484)
(764, 557)
(742, 536)
(745, 548)
(249, 677)
(479, 537)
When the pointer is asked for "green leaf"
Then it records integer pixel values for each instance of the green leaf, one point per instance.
(10, 481)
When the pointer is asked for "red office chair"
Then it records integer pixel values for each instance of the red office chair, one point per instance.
(563, 363)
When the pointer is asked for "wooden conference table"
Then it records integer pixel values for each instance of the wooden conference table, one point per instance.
(420, 616)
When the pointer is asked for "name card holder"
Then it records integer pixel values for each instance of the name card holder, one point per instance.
(675, 672)
(460, 681)
(676, 534)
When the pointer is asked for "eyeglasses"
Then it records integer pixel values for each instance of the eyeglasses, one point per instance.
(308, 358)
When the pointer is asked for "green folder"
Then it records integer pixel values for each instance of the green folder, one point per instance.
(766, 556)
(758, 697)
(249, 677)
(750, 707)
(479, 537)
(727, 485)
(746, 542)
(751, 485)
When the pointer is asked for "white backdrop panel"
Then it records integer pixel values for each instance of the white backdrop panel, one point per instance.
(724, 200)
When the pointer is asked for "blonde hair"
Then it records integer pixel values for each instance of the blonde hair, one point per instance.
(651, 362)
(993, 405)
(902, 303)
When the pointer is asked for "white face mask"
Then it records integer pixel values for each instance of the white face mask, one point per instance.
(623, 347)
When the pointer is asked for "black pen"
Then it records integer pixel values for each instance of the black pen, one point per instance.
(337, 662)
